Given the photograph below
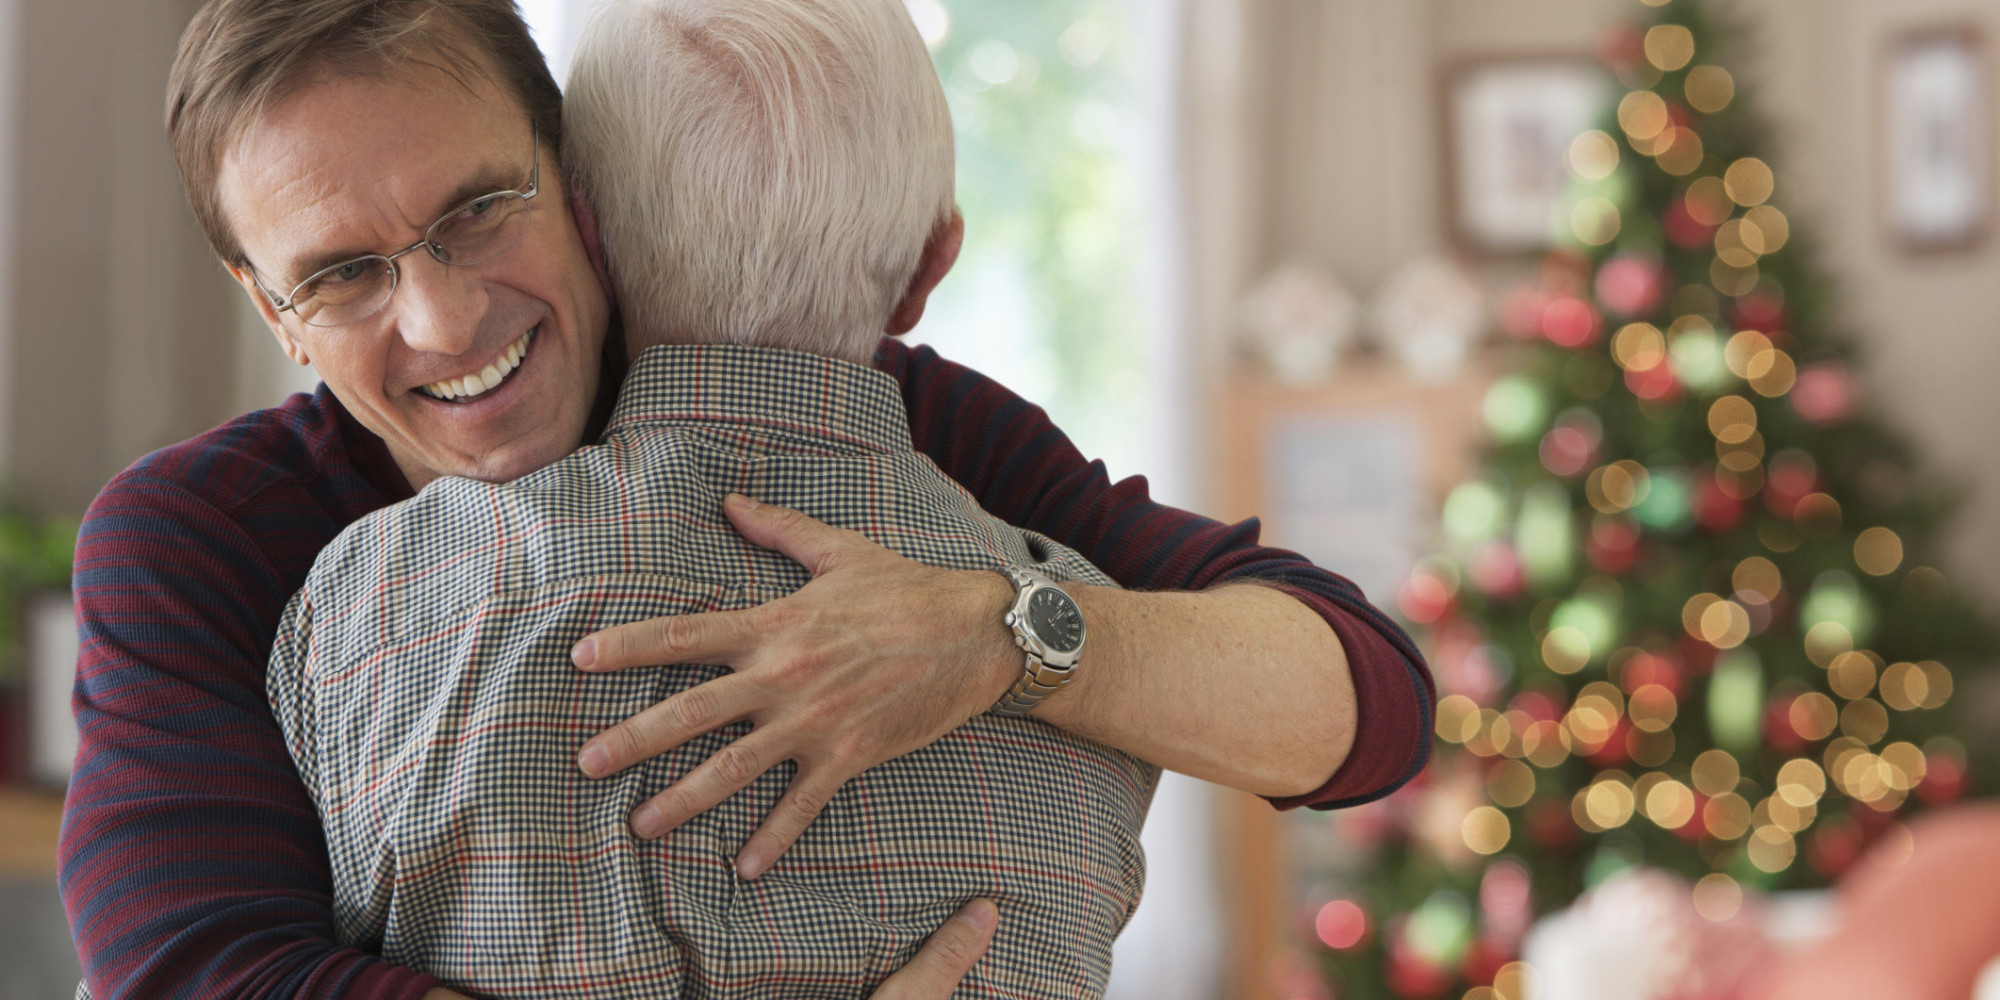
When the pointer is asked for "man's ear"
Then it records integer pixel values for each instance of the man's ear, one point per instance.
(593, 242)
(292, 348)
(940, 253)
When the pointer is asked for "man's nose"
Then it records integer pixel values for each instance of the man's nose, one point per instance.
(438, 307)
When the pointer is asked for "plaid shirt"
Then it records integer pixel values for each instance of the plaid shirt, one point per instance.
(423, 682)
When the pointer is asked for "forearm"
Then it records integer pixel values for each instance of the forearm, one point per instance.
(1240, 685)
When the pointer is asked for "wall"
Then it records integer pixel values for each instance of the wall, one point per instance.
(1325, 149)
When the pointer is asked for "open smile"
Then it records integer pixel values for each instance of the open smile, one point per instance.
(458, 390)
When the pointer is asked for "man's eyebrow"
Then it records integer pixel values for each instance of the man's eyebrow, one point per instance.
(487, 181)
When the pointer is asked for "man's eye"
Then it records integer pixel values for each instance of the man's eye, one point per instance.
(353, 270)
(476, 209)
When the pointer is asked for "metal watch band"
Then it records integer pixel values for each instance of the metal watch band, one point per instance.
(1039, 678)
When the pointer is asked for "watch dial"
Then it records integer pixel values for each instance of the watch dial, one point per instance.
(1055, 619)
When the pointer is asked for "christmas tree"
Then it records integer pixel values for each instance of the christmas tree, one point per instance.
(1689, 616)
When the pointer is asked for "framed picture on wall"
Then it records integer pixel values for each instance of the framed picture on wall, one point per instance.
(1508, 124)
(1937, 140)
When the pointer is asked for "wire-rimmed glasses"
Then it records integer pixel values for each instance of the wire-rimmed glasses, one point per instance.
(473, 233)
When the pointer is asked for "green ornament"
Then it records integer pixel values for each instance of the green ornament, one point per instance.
(1736, 701)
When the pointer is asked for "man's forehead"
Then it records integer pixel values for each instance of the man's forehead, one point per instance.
(345, 161)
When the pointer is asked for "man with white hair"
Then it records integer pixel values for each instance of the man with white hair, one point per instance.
(772, 176)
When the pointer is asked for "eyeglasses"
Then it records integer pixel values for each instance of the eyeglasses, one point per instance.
(473, 233)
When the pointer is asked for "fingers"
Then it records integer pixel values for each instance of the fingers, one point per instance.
(714, 637)
(808, 794)
(729, 771)
(946, 957)
(697, 710)
(813, 544)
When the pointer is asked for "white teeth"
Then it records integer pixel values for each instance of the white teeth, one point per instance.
(486, 379)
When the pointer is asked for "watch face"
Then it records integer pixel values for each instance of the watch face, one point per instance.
(1055, 620)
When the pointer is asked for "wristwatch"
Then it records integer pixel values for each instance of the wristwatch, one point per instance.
(1048, 626)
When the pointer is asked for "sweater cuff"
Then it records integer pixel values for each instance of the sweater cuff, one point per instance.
(1392, 714)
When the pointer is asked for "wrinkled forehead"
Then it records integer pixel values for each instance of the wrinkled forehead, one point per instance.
(352, 163)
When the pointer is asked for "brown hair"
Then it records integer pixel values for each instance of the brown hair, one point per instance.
(239, 57)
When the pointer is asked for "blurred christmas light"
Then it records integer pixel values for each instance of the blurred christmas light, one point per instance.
(1771, 849)
(1717, 897)
(1766, 230)
(1638, 345)
(1631, 284)
(1726, 816)
(1670, 804)
(1696, 352)
(1668, 506)
(1543, 535)
(1474, 512)
(1715, 772)
(1813, 716)
(1515, 409)
(1510, 783)
(1595, 222)
(1457, 718)
(1924, 587)
(1486, 830)
(1748, 181)
(1732, 419)
(1709, 89)
(933, 21)
(1669, 46)
(1818, 515)
(1593, 155)
(1866, 720)
(1878, 551)
(1836, 599)
(1680, 151)
(1801, 782)
(1571, 322)
(1341, 924)
(1824, 394)
(1852, 674)
(1732, 280)
(1609, 804)
(1653, 708)
(1772, 373)
(1566, 650)
(1441, 929)
(1643, 115)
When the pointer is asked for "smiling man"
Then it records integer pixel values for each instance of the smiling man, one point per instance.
(192, 859)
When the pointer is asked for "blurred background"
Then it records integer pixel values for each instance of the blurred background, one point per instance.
(1639, 354)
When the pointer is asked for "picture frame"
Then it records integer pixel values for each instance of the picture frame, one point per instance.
(1507, 125)
(1936, 140)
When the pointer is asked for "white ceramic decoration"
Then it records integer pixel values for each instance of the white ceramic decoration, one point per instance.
(1429, 315)
(1297, 322)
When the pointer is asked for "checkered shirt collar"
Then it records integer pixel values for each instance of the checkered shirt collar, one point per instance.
(762, 388)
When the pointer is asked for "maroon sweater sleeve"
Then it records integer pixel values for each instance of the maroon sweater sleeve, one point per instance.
(1007, 453)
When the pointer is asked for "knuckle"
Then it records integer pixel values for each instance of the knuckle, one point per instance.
(694, 709)
(803, 805)
(736, 765)
(679, 634)
(953, 947)
(627, 742)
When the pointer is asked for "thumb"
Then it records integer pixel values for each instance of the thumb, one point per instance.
(945, 959)
(813, 544)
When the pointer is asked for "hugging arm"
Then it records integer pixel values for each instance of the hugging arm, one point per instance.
(1267, 674)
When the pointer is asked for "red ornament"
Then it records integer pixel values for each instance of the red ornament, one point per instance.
(1824, 394)
(1536, 705)
(1715, 510)
(1778, 731)
(1621, 46)
(1496, 569)
(1793, 477)
(1760, 311)
(1613, 545)
(1566, 450)
(1657, 383)
(1631, 285)
(1571, 322)
(1944, 780)
(1834, 847)
(1341, 924)
(1521, 312)
(1684, 230)
(1483, 961)
(1697, 657)
(1425, 598)
(1650, 668)
(1616, 750)
(1410, 975)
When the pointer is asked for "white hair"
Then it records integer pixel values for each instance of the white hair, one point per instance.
(764, 172)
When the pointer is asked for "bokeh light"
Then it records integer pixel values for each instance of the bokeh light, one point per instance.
(1715, 772)
(1474, 511)
(1726, 816)
(1593, 156)
(1515, 408)
(1709, 89)
(1669, 46)
(1643, 115)
(933, 21)
(1878, 551)
(1749, 182)
(1485, 830)
(1813, 715)
(1510, 783)
(1670, 804)
(1341, 924)
(1609, 804)
(1771, 849)
(1801, 782)
(1717, 897)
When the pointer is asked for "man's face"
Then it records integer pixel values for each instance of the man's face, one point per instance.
(350, 166)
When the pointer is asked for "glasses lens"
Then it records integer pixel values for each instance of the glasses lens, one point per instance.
(346, 291)
(480, 230)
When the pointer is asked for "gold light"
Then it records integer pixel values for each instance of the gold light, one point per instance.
(1457, 718)
(1566, 650)
(1784, 815)
(1801, 782)
(1865, 719)
(1485, 830)
(1639, 346)
(1510, 783)
(1643, 115)
(1669, 47)
(1517, 981)
(1772, 849)
(1725, 625)
(1904, 687)
(1716, 772)
(1593, 155)
(1617, 487)
(1772, 373)
(1653, 708)
(1817, 514)
(1738, 245)
(1878, 551)
(1835, 758)
(1771, 229)
(1708, 202)
(1748, 181)
(1547, 744)
(1813, 715)
(1717, 897)
(1609, 804)
(1910, 763)
(1726, 816)
(1925, 587)
(1742, 349)
(1937, 684)
(1827, 640)
(1670, 804)
(1730, 280)
(1680, 153)
(1758, 575)
(1694, 610)
(1709, 89)
(1732, 419)
(1852, 675)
